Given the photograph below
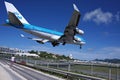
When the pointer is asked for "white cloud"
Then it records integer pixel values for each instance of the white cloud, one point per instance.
(117, 16)
(98, 16)
(110, 34)
(107, 52)
(112, 52)
(101, 53)
(112, 49)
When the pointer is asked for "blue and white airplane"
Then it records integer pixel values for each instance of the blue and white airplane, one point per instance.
(44, 35)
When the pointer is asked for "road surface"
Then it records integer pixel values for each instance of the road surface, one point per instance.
(19, 72)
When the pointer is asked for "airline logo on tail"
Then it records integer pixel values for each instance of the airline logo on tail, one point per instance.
(17, 15)
(11, 9)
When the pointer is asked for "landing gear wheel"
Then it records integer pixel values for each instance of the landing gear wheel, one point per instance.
(80, 47)
(55, 43)
(64, 43)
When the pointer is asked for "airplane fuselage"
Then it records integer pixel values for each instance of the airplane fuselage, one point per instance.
(47, 33)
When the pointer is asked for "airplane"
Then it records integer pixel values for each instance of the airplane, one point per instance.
(44, 35)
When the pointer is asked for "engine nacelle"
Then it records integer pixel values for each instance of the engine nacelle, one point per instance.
(78, 31)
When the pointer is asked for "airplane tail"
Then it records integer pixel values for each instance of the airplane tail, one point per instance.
(14, 16)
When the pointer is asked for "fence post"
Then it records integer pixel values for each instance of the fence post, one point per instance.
(117, 74)
(69, 66)
(35, 63)
(57, 65)
(109, 72)
(91, 68)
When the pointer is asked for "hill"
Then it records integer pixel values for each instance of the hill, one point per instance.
(109, 60)
(46, 55)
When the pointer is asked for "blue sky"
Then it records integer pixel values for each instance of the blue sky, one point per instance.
(100, 21)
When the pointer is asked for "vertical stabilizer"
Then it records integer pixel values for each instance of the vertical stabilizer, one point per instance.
(14, 15)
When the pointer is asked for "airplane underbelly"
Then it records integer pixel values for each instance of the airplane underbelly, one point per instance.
(44, 35)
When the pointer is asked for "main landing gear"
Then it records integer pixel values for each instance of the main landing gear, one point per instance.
(80, 46)
(55, 43)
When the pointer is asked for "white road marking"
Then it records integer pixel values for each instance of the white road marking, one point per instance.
(15, 73)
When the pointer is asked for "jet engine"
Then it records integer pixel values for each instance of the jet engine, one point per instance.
(78, 31)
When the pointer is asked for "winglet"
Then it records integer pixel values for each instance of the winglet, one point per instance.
(75, 7)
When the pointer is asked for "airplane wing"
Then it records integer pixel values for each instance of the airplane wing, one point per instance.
(39, 40)
(75, 17)
(70, 30)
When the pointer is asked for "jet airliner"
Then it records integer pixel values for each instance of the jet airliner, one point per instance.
(44, 35)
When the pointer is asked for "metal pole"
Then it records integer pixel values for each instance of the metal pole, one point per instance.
(91, 68)
(57, 65)
(69, 67)
(48, 65)
(117, 74)
(109, 72)
(35, 63)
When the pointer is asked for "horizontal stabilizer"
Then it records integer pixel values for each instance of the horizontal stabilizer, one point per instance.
(22, 35)
(5, 25)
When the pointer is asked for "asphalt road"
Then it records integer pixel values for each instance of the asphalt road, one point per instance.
(6, 73)
(27, 73)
